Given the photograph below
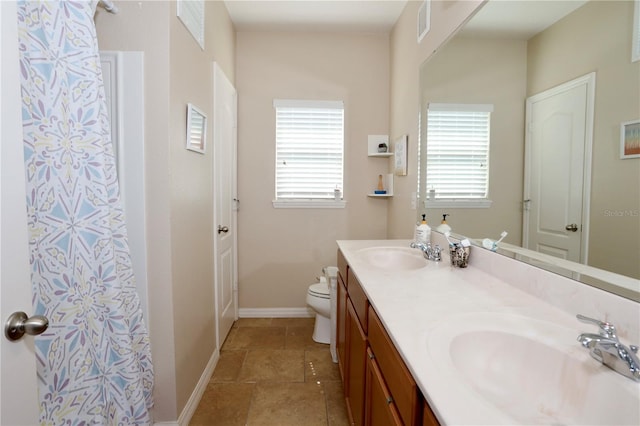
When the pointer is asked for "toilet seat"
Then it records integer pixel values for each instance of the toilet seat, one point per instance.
(320, 290)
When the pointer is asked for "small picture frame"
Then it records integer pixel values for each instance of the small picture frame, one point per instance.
(630, 139)
(400, 150)
(196, 129)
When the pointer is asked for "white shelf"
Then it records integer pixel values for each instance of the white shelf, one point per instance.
(388, 185)
(372, 145)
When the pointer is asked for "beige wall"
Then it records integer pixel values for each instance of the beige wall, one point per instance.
(178, 187)
(281, 251)
(485, 71)
(406, 57)
(597, 37)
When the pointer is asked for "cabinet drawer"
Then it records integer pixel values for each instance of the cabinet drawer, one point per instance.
(358, 298)
(402, 387)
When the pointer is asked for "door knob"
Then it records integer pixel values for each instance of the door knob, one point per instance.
(571, 227)
(18, 324)
(222, 229)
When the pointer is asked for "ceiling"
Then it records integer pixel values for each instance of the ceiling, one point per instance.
(315, 15)
(515, 18)
(518, 18)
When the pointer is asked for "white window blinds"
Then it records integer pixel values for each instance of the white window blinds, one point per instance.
(458, 150)
(309, 149)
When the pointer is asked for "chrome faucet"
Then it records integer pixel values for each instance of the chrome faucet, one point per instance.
(432, 253)
(606, 348)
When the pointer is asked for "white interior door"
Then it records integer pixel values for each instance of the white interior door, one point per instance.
(557, 164)
(225, 202)
(18, 391)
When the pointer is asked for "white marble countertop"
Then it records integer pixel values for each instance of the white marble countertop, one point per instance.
(415, 305)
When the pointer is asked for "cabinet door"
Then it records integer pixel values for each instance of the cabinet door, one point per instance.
(428, 418)
(341, 332)
(397, 376)
(380, 410)
(356, 365)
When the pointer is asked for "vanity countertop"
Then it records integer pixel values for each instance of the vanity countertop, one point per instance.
(418, 306)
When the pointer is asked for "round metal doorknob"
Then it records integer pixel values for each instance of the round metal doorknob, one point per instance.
(572, 227)
(222, 229)
(18, 324)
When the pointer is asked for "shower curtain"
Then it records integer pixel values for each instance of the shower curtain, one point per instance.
(94, 363)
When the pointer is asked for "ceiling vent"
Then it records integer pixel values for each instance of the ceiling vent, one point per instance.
(424, 19)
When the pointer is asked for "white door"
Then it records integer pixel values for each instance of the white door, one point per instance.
(18, 392)
(225, 202)
(557, 169)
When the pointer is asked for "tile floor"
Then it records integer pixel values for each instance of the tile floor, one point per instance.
(272, 373)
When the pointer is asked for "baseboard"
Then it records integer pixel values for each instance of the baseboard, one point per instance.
(276, 313)
(190, 408)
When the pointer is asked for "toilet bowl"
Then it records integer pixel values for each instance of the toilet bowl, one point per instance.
(319, 299)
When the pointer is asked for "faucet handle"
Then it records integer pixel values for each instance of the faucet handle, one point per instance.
(606, 329)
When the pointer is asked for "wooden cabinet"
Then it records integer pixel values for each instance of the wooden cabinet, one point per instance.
(381, 409)
(341, 333)
(403, 388)
(356, 365)
(379, 389)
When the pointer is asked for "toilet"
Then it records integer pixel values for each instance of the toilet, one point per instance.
(319, 298)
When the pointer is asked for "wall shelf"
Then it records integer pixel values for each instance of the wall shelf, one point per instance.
(388, 185)
(381, 154)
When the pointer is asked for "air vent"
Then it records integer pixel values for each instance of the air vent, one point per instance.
(424, 19)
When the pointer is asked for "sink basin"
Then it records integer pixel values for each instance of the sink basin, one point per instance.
(534, 372)
(400, 258)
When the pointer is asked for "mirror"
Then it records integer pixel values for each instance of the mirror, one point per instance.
(500, 59)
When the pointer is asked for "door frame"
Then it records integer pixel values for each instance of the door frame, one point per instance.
(218, 74)
(588, 80)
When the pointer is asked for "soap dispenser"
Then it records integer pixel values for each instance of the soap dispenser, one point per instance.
(423, 231)
(444, 226)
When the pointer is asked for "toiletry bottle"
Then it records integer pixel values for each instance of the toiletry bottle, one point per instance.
(423, 231)
(444, 226)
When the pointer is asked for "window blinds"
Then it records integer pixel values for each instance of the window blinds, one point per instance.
(458, 150)
(309, 149)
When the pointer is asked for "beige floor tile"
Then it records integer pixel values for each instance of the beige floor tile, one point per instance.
(288, 404)
(229, 338)
(336, 406)
(228, 366)
(257, 338)
(320, 367)
(252, 322)
(280, 365)
(293, 322)
(300, 338)
(224, 404)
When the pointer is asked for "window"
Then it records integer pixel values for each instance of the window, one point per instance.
(309, 153)
(458, 154)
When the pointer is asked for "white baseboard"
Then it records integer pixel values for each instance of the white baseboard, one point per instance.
(190, 408)
(276, 313)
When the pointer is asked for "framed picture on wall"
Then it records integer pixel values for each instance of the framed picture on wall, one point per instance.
(196, 129)
(400, 150)
(630, 139)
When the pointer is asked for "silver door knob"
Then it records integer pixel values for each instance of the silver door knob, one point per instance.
(222, 229)
(571, 227)
(18, 324)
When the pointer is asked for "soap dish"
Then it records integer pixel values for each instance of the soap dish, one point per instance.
(379, 191)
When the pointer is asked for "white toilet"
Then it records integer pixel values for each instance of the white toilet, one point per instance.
(319, 297)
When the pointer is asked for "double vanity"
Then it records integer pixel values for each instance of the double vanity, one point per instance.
(421, 342)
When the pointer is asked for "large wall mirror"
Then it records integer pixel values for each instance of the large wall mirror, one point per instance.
(510, 53)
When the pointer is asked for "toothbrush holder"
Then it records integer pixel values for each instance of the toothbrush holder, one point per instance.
(459, 255)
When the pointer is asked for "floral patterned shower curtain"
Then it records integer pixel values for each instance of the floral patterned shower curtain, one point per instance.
(94, 363)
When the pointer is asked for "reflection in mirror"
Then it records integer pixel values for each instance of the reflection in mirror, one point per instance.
(504, 61)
